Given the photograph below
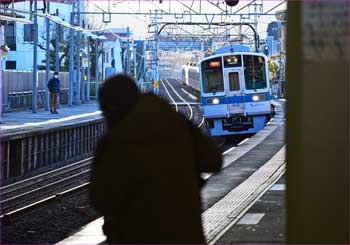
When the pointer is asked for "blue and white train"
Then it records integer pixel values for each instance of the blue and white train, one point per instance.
(235, 90)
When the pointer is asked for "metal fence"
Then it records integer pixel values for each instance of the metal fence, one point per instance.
(24, 153)
(17, 89)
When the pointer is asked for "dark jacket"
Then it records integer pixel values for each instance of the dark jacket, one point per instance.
(145, 176)
(54, 85)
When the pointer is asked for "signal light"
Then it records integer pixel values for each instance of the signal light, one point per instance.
(231, 3)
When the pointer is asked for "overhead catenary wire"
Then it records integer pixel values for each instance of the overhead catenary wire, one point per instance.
(56, 20)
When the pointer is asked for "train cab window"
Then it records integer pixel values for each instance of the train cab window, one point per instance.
(232, 61)
(254, 72)
(212, 79)
(234, 81)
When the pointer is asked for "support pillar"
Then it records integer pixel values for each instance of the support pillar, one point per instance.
(48, 60)
(318, 123)
(35, 61)
(96, 69)
(87, 98)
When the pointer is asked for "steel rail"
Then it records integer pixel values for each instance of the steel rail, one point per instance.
(201, 124)
(23, 210)
(21, 198)
(171, 98)
(181, 98)
(44, 177)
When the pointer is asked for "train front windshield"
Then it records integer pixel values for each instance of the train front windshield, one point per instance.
(254, 72)
(212, 79)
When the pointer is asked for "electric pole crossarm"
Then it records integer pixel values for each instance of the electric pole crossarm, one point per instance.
(256, 37)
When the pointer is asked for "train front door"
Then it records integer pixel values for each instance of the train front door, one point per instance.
(234, 91)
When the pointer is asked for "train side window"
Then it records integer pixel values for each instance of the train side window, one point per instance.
(233, 78)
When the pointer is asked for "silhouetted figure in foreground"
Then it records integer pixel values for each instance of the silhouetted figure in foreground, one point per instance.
(146, 171)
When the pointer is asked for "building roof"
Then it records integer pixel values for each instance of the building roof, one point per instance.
(111, 36)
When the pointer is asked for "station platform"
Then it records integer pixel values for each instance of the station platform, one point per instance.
(35, 142)
(244, 203)
(23, 121)
(264, 222)
(228, 216)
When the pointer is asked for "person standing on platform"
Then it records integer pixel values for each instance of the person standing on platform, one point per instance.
(145, 176)
(54, 89)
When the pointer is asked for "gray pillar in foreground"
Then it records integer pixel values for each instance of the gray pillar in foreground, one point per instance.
(318, 123)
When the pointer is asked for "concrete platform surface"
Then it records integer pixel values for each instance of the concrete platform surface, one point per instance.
(26, 120)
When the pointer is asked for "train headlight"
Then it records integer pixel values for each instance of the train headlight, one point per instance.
(215, 101)
(259, 97)
(256, 98)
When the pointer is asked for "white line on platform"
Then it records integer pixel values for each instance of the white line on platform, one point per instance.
(229, 150)
(84, 235)
(243, 141)
(5, 127)
(251, 219)
(278, 187)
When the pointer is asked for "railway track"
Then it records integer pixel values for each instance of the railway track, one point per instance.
(189, 108)
(28, 194)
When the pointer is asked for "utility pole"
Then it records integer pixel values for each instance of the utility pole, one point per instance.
(103, 62)
(83, 69)
(128, 71)
(72, 70)
(87, 98)
(74, 58)
(57, 44)
(47, 74)
(134, 59)
(57, 50)
(35, 60)
(96, 69)
(78, 63)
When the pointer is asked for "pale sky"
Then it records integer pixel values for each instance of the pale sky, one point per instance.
(138, 23)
